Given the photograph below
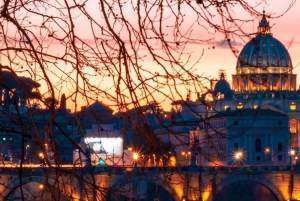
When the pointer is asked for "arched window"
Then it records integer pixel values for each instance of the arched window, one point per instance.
(258, 145)
(293, 126)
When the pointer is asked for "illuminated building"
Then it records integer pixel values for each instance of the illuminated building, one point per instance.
(263, 83)
(105, 146)
(243, 137)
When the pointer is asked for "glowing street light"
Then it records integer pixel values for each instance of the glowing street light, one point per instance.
(267, 150)
(41, 186)
(238, 155)
(42, 158)
(27, 146)
(41, 155)
(292, 152)
(135, 156)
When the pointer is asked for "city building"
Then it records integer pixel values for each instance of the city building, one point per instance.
(263, 89)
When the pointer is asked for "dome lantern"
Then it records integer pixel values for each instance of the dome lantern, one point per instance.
(264, 27)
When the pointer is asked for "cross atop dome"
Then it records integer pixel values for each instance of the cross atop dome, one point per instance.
(264, 27)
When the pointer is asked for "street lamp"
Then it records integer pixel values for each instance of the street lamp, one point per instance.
(27, 146)
(135, 157)
(42, 158)
(41, 186)
(267, 150)
(238, 156)
(292, 152)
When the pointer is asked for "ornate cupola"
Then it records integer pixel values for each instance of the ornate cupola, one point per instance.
(264, 64)
(264, 27)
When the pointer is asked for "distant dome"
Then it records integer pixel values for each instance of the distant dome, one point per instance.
(264, 50)
(222, 86)
(264, 64)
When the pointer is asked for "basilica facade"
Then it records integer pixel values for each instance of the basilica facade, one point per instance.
(254, 120)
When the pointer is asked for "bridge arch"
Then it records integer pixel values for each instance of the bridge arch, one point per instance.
(33, 181)
(145, 187)
(230, 180)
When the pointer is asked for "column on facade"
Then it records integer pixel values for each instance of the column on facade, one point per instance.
(270, 147)
(259, 82)
(294, 82)
(290, 79)
(249, 154)
(247, 82)
(281, 82)
(271, 82)
(298, 133)
(273, 148)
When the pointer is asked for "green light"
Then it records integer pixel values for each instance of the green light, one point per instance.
(101, 161)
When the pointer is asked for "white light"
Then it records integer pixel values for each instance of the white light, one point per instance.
(112, 146)
(238, 155)
(135, 156)
(292, 152)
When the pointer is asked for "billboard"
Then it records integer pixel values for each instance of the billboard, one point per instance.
(108, 146)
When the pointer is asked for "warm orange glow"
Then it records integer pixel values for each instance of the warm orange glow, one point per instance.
(240, 105)
(209, 97)
(293, 126)
(267, 150)
(238, 155)
(292, 152)
(135, 156)
(41, 155)
(206, 193)
(293, 106)
(172, 161)
(41, 186)
(129, 148)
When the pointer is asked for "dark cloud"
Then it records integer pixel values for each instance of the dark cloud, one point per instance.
(226, 44)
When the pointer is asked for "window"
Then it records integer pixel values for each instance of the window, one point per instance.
(258, 145)
(226, 106)
(293, 106)
(240, 105)
(257, 158)
(279, 123)
(279, 146)
(279, 157)
(236, 146)
(255, 106)
(293, 126)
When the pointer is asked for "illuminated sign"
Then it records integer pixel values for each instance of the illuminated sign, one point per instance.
(108, 146)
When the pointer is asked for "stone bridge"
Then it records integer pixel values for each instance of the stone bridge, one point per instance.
(148, 183)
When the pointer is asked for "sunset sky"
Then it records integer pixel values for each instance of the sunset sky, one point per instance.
(216, 52)
(285, 29)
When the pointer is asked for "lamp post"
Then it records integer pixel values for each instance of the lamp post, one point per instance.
(238, 156)
(294, 155)
(26, 159)
(135, 157)
(42, 159)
